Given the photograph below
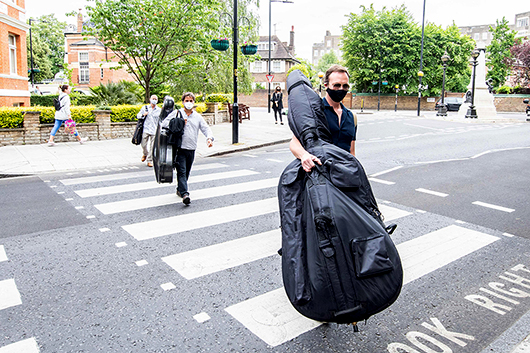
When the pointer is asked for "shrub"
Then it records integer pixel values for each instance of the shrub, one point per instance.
(75, 98)
(12, 117)
(504, 90)
(219, 97)
(121, 113)
(113, 94)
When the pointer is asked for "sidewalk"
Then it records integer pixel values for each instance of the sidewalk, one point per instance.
(259, 131)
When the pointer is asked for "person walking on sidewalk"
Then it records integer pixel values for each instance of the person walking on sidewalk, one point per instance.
(186, 153)
(277, 104)
(151, 115)
(64, 114)
(341, 122)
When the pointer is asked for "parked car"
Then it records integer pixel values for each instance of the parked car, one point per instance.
(452, 103)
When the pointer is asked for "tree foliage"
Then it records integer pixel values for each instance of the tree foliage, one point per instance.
(327, 60)
(386, 45)
(47, 34)
(521, 63)
(498, 52)
(165, 45)
(113, 94)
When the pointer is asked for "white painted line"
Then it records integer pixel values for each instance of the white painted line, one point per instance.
(249, 155)
(218, 257)
(61, 192)
(385, 201)
(141, 263)
(191, 221)
(381, 181)
(273, 319)
(46, 181)
(69, 199)
(201, 317)
(386, 171)
(421, 211)
(443, 161)
(495, 207)
(79, 207)
(91, 217)
(162, 200)
(109, 190)
(430, 192)
(460, 222)
(3, 255)
(168, 286)
(508, 235)
(121, 244)
(122, 176)
(102, 230)
(28, 345)
(392, 213)
(9, 295)
(480, 154)
(423, 127)
(53, 186)
(274, 160)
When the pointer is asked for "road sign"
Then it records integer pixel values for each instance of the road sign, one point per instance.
(269, 78)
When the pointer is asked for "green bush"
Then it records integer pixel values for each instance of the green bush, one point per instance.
(11, 117)
(504, 90)
(219, 97)
(79, 114)
(121, 113)
(75, 99)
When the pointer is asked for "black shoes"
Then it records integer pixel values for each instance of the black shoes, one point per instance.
(186, 199)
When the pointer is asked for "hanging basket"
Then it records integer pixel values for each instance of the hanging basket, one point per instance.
(220, 44)
(249, 49)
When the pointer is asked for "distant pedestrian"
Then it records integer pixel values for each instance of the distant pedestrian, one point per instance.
(64, 114)
(186, 153)
(37, 90)
(277, 104)
(150, 113)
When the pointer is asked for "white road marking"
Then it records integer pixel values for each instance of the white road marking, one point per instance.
(421, 211)
(430, 192)
(79, 207)
(495, 207)
(141, 263)
(168, 286)
(9, 295)
(423, 127)
(218, 257)
(121, 244)
(191, 221)
(508, 235)
(201, 317)
(3, 255)
(381, 181)
(392, 213)
(274, 160)
(109, 190)
(102, 230)
(272, 318)
(91, 217)
(386, 171)
(162, 200)
(122, 176)
(460, 222)
(28, 345)
(250, 155)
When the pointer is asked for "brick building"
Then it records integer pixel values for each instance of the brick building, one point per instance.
(330, 43)
(14, 90)
(89, 59)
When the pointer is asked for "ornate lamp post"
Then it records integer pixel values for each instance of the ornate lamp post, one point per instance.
(320, 75)
(472, 112)
(442, 110)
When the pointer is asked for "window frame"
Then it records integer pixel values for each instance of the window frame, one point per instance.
(12, 54)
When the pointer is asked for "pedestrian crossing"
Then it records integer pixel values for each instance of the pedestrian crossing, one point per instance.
(269, 316)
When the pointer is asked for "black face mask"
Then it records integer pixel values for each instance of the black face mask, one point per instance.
(337, 95)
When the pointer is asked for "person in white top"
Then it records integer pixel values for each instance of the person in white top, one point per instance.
(151, 114)
(64, 114)
(186, 153)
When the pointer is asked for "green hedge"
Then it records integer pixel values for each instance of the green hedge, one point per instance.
(11, 117)
(122, 113)
(47, 100)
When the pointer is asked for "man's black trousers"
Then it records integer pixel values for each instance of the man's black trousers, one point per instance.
(183, 163)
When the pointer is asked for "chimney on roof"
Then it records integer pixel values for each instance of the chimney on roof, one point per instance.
(79, 22)
(291, 41)
(328, 33)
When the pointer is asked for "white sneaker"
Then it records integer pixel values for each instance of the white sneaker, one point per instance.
(51, 143)
(83, 140)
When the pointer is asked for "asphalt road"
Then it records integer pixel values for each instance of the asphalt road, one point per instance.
(109, 261)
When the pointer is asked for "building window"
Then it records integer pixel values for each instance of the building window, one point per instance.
(276, 66)
(258, 66)
(83, 57)
(316, 52)
(84, 73)
(329, 43)
(485, 36)
(12, 54)
(477, 36)
(101, 72)
(265, 46)
(322, 52)
(522, 22)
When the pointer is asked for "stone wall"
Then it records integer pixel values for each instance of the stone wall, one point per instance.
(11, 137)
(122, 130)
(510, 103)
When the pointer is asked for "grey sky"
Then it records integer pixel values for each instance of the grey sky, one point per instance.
(311, 18)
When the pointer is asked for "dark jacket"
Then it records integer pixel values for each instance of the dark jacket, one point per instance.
(277, 100)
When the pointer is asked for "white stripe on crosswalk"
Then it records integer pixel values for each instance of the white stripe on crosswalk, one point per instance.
(3, 255)
(121, 176)
(191, 221)
(25, 346)
(392, 213)
(162, 200)
(273, 319)
(218, 257)
(109, 190)
(9, 295)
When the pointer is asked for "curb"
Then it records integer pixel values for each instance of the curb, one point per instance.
(245, 148)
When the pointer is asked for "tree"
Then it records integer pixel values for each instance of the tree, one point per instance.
(498, 52)
(47, 34)
(113, 94)
(161, 42)
(521, 63)
(386, 45)
(326, 61)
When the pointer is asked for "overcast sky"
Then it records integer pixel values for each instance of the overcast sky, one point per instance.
(311, 18)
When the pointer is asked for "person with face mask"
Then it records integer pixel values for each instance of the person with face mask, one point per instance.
(150, 113)
(186, 153)
(341, 121)
(277, 104)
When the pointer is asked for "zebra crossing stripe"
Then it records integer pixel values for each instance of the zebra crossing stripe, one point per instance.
(121, 176)
(109, 190)
(392, 213)
(162, 200)
(196, 220)
(272, 318)
(28, 345)
(3, 255)
(218, 257)
(9, 295)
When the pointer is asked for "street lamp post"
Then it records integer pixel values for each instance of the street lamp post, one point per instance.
(320, 75)
(379, 90)
(397, 90)
(269, 63)
(235, 109)
(472, 112)
(420, 73)
(442, 110)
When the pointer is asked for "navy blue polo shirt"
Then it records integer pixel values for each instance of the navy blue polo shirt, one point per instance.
(342, 135)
